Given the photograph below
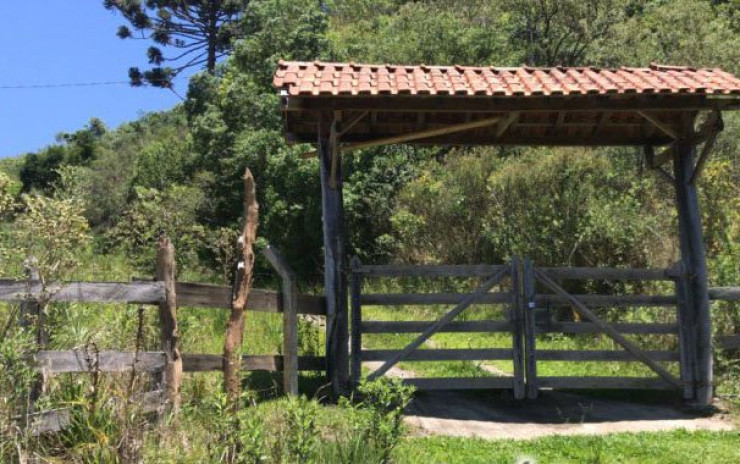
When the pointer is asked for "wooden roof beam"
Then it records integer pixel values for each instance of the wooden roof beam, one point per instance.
(713, 127)
(668, 130)
(402, 138)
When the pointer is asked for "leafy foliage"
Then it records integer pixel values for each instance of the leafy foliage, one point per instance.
(200, 31)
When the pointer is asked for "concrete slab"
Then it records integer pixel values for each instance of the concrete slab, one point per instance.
(495, 415)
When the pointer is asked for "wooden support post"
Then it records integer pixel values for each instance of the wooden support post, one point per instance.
(694, 263)
(685, 336)
(356, 339)
(242, 288)
(335, 278)
(290, 320)
(530, 330)
(168, 323)
(517, 332)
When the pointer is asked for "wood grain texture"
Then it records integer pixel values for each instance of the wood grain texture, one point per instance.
(90, 292)
(625, 328)
(603, 355)
(290, 319)
(57, 362)
(397, 299)
(412, 270)
(440, 354)
(421, 326)
(461, 383)
(168, 328)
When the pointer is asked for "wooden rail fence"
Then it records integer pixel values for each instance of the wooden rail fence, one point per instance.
(287, 302)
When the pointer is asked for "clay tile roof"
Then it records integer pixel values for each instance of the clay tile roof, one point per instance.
(339, 79)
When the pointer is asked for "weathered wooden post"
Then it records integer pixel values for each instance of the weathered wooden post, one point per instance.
(242, 286)
(290, 319)
(516, 319)
(169, 336)
(335, 278)
(530, 328)
(356, 339)
(32, 317)
(694, 261)
(685, 334)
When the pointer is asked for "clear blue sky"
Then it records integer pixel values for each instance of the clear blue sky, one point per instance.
(65, 42)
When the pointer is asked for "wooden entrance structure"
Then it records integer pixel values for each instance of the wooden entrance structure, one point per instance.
(668, 112)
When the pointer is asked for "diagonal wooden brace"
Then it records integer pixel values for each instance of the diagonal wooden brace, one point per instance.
(608, 329)
(453, 313)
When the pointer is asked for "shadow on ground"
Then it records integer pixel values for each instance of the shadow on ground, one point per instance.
(494, 415)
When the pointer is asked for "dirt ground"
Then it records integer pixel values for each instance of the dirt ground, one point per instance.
(494, 415)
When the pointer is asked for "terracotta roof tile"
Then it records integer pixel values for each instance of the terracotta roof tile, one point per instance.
(336, 79)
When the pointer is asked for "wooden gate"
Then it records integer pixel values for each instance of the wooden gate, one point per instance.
(543, 292)
(503, 278)
(531, 296)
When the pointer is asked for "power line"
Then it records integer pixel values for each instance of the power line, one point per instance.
(68, 84)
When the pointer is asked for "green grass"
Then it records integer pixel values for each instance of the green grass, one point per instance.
(677, 447)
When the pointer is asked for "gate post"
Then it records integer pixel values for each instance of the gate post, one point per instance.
(335, 276)
(356, 284)
(695, 266)
(517, 331)
(530, 329)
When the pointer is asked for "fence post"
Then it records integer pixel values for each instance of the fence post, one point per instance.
(530, 329)
(290, 319)
(168, 322)
(356, 287)
(517, 320)
(31, 316)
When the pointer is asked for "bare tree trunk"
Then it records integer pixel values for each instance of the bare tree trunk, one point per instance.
(242, 287)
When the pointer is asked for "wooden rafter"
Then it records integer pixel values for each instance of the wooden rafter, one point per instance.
(504, 124)
(603, 119)
(715, 125)
(402, 138)
(668, 130)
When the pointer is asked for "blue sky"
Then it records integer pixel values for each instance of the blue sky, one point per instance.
(64, 42)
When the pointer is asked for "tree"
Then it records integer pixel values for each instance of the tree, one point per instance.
(202, 31)
(559, 32)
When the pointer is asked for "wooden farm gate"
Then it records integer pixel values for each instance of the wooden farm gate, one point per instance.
(501, 277)
(534, 296)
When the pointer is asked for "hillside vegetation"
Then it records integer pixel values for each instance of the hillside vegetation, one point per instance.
(92, 205)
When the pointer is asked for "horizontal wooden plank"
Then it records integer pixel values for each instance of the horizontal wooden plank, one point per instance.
(90, 292)
(729, 342)
(461, 383)
(607, 273)
(58, 362)
(214, 362)
(420, 326)
(602, 355)
(51, 421)
(627, 328)
(395, 299)
(724, 293)
(636, 383)
(190, 294)
(426, 270)
(440, 354)
(603, 301)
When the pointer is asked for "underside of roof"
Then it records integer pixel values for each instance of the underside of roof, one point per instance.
(455, 105)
